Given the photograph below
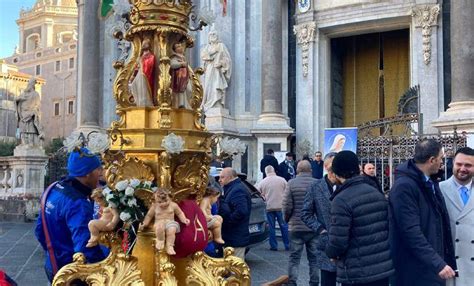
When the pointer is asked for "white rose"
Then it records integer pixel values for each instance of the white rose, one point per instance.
(132, 202)
(98, 143)
(122, 185)
(123, 200)
(109, 197)
(106, 191)
(147, 184)
(129, 191)
(134, 183)
(125, 216)
(72, 141)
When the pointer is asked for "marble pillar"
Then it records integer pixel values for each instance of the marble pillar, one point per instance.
(272, 125)
(89, 85)
(460, 114)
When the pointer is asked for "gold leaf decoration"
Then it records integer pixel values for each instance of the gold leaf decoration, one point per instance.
(129, 168)
(203, 270)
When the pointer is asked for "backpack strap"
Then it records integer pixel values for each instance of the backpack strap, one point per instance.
(49, 245)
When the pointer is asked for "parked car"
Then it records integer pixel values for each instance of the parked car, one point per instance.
(258, 226)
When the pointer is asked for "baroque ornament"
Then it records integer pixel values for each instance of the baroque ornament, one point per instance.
(426, 16)
(173, 144)
(304, 36)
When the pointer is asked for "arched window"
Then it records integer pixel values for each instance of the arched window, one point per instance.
(32, 42)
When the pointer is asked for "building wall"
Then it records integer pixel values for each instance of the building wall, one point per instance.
(54, 60)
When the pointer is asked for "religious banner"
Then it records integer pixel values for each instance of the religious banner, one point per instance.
(338, 139)
(105, 8)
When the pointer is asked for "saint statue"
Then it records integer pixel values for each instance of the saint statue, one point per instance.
(28, 112)
(217, 72)
(179, 75)
(143, 80)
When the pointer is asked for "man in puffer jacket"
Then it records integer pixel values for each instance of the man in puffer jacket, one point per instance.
(358, 233)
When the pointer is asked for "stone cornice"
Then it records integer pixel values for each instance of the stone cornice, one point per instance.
(426, 17)
(305, 36)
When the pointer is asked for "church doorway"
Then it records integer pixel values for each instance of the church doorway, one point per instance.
(369, 74)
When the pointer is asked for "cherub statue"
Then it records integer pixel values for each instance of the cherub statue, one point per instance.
(163, 211)
(107, 222)
(214, 222)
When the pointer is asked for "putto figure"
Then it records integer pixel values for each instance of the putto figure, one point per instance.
(214, 222)
(107, 222)
(143, 80)
(218, 68)
(179, 75)
(28, 111)
(163, 211)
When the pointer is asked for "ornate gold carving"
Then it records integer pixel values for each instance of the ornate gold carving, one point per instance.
(165, 167)
(197, 95)
(206, 271)
(121, 89)
(426, 16)
(128, 168)
(116, 269)
(305, 36)
(165, 273)
(190, 177)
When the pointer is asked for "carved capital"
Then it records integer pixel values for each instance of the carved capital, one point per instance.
(425, 17)
(304, 37)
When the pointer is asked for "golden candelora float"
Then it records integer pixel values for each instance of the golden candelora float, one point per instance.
(157, 152)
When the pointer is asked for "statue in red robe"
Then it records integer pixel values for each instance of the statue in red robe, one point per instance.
(179, 76)
(143, 82)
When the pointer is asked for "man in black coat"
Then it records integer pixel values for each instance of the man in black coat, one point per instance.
(317, 165)
(358, 232)
(269, 159)
(421, 242)
(287, 168)
(235, 207)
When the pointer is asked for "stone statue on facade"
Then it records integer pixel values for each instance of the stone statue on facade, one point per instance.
(28, 112)
(217, 68)
(143, 80)
(179, 76)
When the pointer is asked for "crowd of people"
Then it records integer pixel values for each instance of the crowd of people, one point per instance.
(422, 233)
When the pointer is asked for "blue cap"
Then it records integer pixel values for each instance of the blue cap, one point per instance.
(79, 164)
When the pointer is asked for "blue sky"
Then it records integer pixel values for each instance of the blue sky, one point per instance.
(9, 13)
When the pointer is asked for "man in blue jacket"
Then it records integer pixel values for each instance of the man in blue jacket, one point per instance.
(234, 207)
(67, 211)
(422, 248)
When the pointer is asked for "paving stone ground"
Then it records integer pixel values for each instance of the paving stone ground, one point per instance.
(22, 258)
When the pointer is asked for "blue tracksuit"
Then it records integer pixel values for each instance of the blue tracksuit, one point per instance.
(68, 211)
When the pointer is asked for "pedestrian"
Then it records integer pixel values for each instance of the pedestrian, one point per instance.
(287, 167)
(316, 215)
(422, 248)
(234, 208)
(317, 165)
(358, 231)
(272, 189)
(269, 159)
(66, 209)
(368, 172)
(300, 235)
(457, 191)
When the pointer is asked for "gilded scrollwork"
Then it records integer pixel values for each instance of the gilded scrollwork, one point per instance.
(229, 270)
(190, 177)
(165, 274)
(129, 168)
(121, 85)
(197, 97)
(116, 269)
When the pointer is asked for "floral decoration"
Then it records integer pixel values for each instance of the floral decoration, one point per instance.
(173, 144)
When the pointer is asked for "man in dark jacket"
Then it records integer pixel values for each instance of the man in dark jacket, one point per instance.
(300, 235)
(234, 207)
(269, 159)
(315, 214)
(68, 210)
(317, 165)
(421, 241)
(358, 232)
(368, 172)
(287, 168)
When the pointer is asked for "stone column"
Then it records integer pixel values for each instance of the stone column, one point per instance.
(460, 113)
(272, 125)
(88, 88)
